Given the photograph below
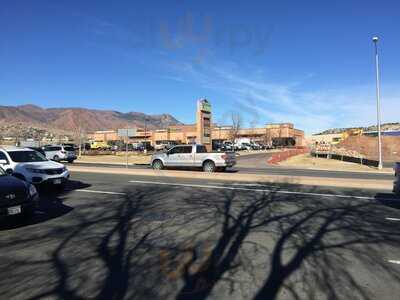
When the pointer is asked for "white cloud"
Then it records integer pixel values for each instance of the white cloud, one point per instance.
(309, 109)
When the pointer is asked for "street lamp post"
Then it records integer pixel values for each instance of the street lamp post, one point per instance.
(378, 102)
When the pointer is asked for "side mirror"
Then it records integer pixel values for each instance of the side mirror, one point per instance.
(9, 171)
(3, 162)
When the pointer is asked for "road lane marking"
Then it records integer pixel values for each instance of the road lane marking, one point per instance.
(253, 190)
(100, 192)
(245, 184)
(392, 219)
(397, 262)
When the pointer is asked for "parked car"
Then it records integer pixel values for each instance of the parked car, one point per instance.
(193, 156)
(99, 145)
(396, 183)
(164, 145)
(228, 146)
(29, 165)
(137, 147)
(246, 146)
(255, 146)
(60, 153)
(76, 147)
(38, 149)
(17, 197)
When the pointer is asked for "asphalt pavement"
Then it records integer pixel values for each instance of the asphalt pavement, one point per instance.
(256, 164)
(131, 237)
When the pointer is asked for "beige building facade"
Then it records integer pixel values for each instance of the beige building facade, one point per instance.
(278, 134)
(209, 134)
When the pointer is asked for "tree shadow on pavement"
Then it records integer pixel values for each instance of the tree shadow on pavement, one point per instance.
(108, 255)
(50, 206)
(162, 242)
(306, 243)
(389, 199)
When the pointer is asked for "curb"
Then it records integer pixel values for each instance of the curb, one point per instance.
(302, 180)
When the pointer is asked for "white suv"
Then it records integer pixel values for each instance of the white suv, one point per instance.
(33, 167)
(60, 152)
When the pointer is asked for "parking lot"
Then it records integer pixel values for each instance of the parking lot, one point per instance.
(136, 237)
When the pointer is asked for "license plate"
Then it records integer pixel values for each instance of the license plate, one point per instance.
(57, 181)
(14, 210)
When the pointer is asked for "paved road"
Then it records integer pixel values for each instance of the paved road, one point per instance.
(131, 237)
(256, 164)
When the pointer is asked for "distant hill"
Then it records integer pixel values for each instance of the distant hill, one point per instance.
(385, 126)
(68, 119)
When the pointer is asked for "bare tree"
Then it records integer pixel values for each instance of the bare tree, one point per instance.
(236, 125)
(79, 129)
(267, 139)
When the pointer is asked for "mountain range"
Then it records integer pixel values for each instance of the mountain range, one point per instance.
(69, 119)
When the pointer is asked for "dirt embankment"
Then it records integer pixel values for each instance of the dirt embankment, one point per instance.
(368, 147)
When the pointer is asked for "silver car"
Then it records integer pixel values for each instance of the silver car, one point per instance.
(60, 153)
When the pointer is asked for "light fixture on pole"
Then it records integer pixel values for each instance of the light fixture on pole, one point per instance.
(378, 102)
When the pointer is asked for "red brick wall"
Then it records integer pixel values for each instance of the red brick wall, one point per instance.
(285, 154)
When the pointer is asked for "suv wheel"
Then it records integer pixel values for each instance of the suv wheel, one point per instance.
(56, 158)
(157, 165)
(209, 166)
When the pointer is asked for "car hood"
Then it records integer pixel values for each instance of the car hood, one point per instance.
(41, 165)
(10, 184)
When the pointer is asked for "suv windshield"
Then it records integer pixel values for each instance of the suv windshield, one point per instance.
(2, 173)
(26, 156)
(69, 148)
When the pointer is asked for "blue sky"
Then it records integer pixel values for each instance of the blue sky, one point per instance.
(306, 62)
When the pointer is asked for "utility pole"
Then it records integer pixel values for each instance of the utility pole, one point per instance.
(145, 135)
(378, 102)
(126, 147)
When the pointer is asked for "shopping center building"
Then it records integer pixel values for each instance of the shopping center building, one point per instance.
(208, 133)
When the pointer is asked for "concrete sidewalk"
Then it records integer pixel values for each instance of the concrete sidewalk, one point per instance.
(242, 177)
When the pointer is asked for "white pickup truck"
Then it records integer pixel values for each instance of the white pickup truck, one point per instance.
(193, 156)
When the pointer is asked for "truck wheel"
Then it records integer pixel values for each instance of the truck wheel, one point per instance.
(157, 165)
(209, 166)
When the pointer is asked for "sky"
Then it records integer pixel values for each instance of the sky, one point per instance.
(310, 63)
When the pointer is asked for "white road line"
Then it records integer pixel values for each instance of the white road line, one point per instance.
(392, 219)
(99, 192)
(245, 184)
(397, 262)
(251, 184)
(253, 190)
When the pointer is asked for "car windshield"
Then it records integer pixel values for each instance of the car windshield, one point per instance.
(26, 156)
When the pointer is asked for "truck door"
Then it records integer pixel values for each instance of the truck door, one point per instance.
(172, 158)
(187, 156)
(198, 156)
(180, 156)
